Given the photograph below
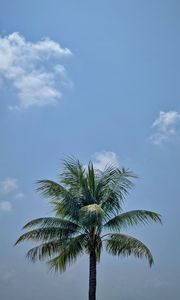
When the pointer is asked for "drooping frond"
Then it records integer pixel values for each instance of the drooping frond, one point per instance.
(131, 218)
(46, 234)
(125, 245)
(45, 250)
(52, 222)
(69, 253)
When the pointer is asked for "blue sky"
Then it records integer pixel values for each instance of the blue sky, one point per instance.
(99, 80)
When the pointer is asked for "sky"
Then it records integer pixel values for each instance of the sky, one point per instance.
(98, 80)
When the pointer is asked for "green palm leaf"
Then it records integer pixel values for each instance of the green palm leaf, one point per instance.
(69, 253)
(52, 222)
(68, 203)
(125, 245)
(91, 180)
(131, 218)
(44, 251)
(46, 234)
(75, 178)
(52, 189)
(114, 185)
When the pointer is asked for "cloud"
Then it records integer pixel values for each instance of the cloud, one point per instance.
(5, 206)
(166, 127)
(33, 69)
(104, 158)
(8, 185)
(19, 195)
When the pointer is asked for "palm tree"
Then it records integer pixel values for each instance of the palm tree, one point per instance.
(89, 217)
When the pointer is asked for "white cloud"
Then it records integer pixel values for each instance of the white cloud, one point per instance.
(33, 69)
(9, 185)
(19, 195)
(102, 159)
(166, 127)
(5, 206)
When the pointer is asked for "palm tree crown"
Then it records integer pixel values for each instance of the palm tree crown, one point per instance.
(89, 217)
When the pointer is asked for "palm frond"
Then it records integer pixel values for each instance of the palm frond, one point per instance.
(45, 250)
(46, 234)
(91, 179)
(74, 177)
(106, 178)
(69, 253)
(120, 182)
(73, 173)
(52, 189)
(112, 190)
(131, 218)
(67, 203)
(52, 222)
(125, 245)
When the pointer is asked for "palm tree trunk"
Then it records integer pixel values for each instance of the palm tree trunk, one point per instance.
(92, 275)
